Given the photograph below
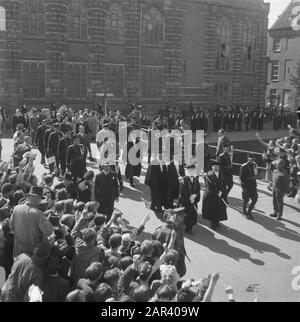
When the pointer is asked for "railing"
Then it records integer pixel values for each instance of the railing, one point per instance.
(265, 169)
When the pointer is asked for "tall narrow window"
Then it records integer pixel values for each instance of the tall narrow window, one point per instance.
(34, 18)
(224, 36)
(222, 93)
(77, 22)
(114, 24)
(275, 71)
(249, 46)
(114, 75)
(34, 80)
(152, 82)
(2, 19)
(153, 27)
(76, 81)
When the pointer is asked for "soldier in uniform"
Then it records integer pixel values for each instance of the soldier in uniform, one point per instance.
(248, 173)
(214, 208)
(39, 139)
(217, 119)
(189, 197)
(239, 119)
(247, 119)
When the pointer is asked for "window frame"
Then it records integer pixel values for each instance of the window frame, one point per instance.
(114, 83)
(34, 79)
(115, 25)
(152, 82)
(3, 19)
(275, 40)
(273, 64)
(224, 45)
(156, 35)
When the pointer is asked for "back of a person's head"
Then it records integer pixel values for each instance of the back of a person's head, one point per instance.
(185, 295)
(103, 293)
(125, 262)
(115, 241)
(90, 206)
(59, 206)
(141, 294)
(99, 220)
(89, 235)
(12, 179)
(111, 277)
(80, 206)
(94, 271)
(165, 293)
(113, 262)
(69, 206)
(61, 194)
(157, 249)
(17, 196)
(146, 248)
(171, 257)
(7, 188)
(76, 296)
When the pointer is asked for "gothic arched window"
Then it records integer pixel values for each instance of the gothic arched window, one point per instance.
(34, 18)
(77, 22)
(153, 27)
(224, 38)
(2, 19)
(114, 24)
(249, 46)
(34, 80)
(76, 81)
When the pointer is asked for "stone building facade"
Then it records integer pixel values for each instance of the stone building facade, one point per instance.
(283, 85)
(152, 52)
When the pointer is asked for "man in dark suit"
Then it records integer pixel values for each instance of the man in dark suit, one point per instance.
(189, 197)
(223, 141)
(46, 137)
(226, 174)
(53, 142)
(62, 149)
(106, 191)
(248, 175)
(39, 139)
(174, 172)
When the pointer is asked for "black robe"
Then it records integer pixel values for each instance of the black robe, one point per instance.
(75, 161)
(213, 207)
(157, 181)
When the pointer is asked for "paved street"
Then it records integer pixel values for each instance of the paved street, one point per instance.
(244, 252)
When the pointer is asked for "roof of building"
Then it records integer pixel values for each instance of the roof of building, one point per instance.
(284, 20)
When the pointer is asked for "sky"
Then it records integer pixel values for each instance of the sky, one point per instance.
(277, 7)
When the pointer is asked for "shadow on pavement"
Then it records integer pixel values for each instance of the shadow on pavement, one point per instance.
(208, 239)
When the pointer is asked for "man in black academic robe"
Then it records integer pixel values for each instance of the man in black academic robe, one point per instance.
(39, 139)
(157, 181)
(247, 118)
(75, 159)
(214, 208)
(106, 191)
(189, 197)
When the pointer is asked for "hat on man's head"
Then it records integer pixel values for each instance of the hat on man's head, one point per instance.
(75, 136)
(54, 220)
(89, 234)
(36, 192)
(99, 220)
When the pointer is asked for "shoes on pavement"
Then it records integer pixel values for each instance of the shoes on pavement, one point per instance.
(249, 216)
(273, 215)
(189, 232)
(279, 218)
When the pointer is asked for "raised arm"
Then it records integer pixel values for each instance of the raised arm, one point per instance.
(260, 140)
(211, 288)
